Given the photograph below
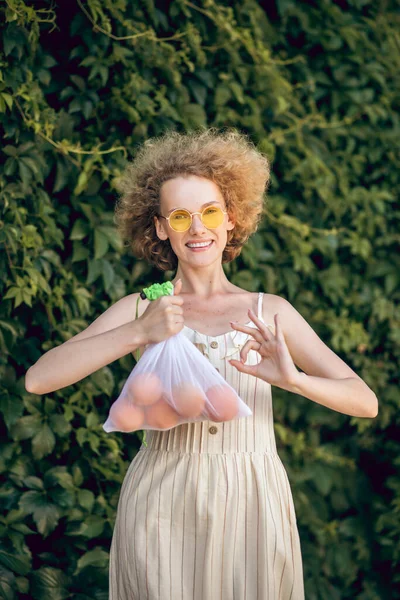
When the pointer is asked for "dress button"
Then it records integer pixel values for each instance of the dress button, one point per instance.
(213, 429)
(214, 345)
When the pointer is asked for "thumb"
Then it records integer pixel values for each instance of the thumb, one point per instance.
(249, 369)
(178, 287)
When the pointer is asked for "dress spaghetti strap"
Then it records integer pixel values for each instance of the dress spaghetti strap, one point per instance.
(259, 312)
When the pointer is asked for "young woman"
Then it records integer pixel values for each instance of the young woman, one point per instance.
(206, 510)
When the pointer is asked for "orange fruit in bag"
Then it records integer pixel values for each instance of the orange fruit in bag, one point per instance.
(145, 389)
(161, 415)
(188, 399)
(224, 403)
(126, 417)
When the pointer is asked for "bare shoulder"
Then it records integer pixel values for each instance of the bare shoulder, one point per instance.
(306, 348)
(271, 305)
(289, 315)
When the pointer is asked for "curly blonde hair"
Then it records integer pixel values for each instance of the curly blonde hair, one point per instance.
(228, 158)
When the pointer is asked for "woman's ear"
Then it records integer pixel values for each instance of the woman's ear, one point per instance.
(161, 233)
(231, 224)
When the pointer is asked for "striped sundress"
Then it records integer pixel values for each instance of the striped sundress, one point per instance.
(205, 510)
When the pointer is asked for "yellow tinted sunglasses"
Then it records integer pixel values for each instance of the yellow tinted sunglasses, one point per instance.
(181, 219)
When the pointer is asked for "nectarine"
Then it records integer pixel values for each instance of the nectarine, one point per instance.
(126, 417)
(161, 415)
(223, 404)
(145, 389)
(188, 400)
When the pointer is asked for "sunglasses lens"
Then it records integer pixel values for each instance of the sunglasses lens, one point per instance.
(213, 217)
(180, 220)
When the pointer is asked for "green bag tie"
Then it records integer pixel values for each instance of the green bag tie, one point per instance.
(156, 290)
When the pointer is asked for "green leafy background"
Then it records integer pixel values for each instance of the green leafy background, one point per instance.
(317, 87)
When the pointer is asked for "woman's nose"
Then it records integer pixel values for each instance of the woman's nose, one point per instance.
(197, 224)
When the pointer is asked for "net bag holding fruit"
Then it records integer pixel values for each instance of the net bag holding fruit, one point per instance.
(171, 384)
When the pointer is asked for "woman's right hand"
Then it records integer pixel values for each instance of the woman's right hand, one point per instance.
(163, 317)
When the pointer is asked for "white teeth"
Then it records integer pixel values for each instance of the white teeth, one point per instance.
(199, 245)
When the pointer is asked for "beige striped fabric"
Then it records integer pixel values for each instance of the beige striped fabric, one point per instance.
(206, 510)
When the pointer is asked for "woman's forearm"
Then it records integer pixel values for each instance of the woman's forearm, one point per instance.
(72, 361)
(350, 396)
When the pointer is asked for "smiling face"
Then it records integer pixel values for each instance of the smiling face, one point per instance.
(193, 193)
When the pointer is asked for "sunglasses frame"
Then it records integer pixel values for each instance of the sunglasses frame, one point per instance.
(225, 212)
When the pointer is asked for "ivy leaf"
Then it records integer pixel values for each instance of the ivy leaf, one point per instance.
(11, 407)
(18, 563)
(43, 442)
(62, 175)
(194, 115)
(26, 427)
(94, 271)
(100, 244)
(59, 425)
(49, 583)
(79, 230)
(60, 476)
(91, 527)
(198, 90)
(322, 478)
(222, 95)
(96, 558)
(86, 499)
(45, 514)
(34, 483)
(108, 275)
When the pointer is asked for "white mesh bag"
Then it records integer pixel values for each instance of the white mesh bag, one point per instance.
(171, 384)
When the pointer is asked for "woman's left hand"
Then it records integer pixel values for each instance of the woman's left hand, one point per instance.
(276, 366)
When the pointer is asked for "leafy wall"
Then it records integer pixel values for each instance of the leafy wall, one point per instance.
(317, 87)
